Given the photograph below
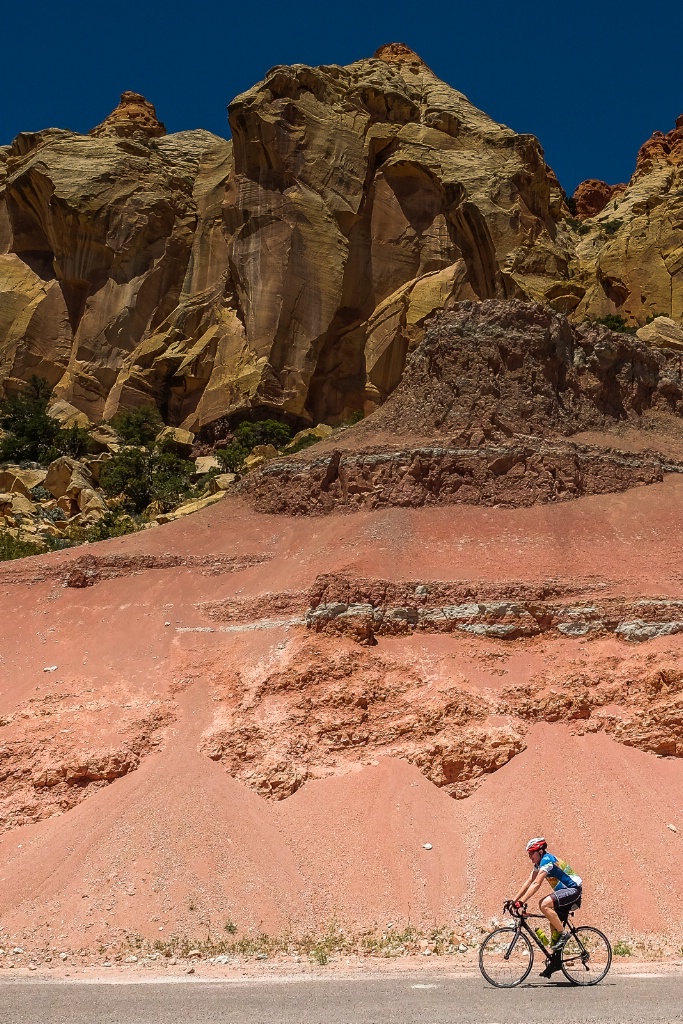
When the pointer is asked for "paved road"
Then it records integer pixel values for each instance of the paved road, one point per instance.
(412, 1000)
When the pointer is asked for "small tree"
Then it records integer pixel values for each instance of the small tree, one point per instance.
(127, 475)
(32, 435)
(263, 432)
(232, 457)
(170, 477)
(139, 477)
(138, 426)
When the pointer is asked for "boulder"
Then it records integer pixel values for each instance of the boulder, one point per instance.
(68, 415)
(189, 507)
(222, 482)
(662, 332)
(179, 440)
(22, 481)
(16, 502)
(259, 454)
(91, 503)
(105, 438)
(315, 433)
(67, 477)
(204, 464)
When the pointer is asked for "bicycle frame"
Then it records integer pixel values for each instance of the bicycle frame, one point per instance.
(521, 917)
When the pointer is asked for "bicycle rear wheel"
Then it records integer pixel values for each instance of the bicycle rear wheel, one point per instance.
(506, 957)
(586, 957)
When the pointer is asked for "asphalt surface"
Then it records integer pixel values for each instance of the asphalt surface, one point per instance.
(408, 1000)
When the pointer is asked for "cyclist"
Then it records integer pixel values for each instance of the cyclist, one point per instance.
(566, 885)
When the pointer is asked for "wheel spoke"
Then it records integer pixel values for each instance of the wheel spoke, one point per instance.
(505, 957)
(586, 957)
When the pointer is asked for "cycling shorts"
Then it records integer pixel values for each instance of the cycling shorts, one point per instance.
(566, 896)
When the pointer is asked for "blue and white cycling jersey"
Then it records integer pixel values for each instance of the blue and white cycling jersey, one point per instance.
(560, 875)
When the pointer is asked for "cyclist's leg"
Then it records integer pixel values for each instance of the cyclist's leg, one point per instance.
(547, 908)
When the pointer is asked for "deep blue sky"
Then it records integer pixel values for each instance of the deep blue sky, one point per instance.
(591, 79)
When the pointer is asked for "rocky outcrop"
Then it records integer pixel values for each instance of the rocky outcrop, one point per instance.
(363, 609)
(294, 267)
(493, 390)
(326, 713)
(134, 117)
(165, 268)
(592, 196)
(662, 332)
(661, 150)
(514, 476)
(97, 235)
(47, 770)
(630, 261)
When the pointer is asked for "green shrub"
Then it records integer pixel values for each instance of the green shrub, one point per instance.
(610, 227)
(32, 435)
(138, 426)
(111, 524)
(73, 441)
(11, 548)
(263, 432)
(578, 225)
(622, 948)
(232, 457)
(127, 474)
(140, 476)
(615, 322)
(170, 478)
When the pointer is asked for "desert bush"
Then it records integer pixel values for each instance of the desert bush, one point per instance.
(32, 435)
(232, 457)
(610, 227)
(140, 476)
(112, 524)
(11, 548)
(615, 322)
(138, 426)
(262, 432)
(578, 225)
(622, 948)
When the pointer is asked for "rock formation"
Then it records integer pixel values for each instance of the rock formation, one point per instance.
(592, 196)
(481, 417)
(630, 260)
(134, 117)
(293, 268)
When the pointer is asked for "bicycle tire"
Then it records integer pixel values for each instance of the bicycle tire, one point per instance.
(502, 972)
(590, 964)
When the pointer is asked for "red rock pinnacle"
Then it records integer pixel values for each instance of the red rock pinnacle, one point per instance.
(134, 116)
(398, 53)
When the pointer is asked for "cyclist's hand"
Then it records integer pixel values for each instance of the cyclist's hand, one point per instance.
(518, 904)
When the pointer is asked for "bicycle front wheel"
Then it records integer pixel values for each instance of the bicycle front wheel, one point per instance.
(586, 957)
(506, 957)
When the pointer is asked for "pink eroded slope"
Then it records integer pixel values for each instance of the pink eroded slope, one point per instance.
(177, 832)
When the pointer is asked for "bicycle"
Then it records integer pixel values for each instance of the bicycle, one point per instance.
(506, 956)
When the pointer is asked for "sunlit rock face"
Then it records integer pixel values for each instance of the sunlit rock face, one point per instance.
(293, 268)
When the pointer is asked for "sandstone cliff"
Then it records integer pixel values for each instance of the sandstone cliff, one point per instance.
(630, 260)
(293, 267)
